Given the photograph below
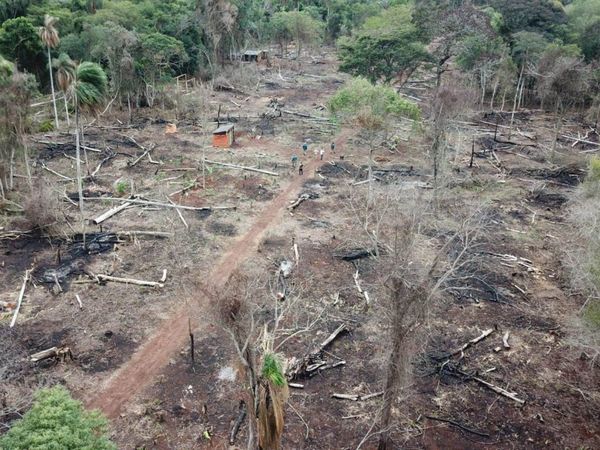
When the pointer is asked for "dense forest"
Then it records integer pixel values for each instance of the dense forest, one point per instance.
(430, 190)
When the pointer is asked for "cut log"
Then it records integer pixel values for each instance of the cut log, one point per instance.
(20, 298)
(235, 166)
(53, 352)
(356, 397)
(102, 277)
(44, 354)
(296, 385)
(300, 199)
(79, 301)
(296, 253)
(505, 340)
(164, 205)
(130, 235)
(322, 367)
(111, 212)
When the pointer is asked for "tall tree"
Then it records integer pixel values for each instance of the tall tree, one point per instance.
(49, 36)
(19, 42)
(372, 108)
(386, 47)
(86, 84)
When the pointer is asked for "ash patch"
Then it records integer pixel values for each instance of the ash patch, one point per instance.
(222, 229)
(550, 200)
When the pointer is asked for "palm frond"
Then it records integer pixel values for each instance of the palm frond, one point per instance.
(272, 370)
(65, 70)
(90, 84)
(48, 33)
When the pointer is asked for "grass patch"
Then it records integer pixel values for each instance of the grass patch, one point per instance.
(591, 314)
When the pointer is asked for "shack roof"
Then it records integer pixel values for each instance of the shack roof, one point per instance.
(252, 52)
(224, 128)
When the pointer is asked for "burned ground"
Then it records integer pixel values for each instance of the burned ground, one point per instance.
(514, 285)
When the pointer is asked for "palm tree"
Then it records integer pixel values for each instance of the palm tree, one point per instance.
(49, 36)
(86, 84)
(65, 75)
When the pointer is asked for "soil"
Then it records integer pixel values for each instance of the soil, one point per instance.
(132, 346)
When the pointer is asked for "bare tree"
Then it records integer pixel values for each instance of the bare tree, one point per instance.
(416, 268)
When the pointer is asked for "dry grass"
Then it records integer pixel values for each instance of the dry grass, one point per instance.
(42, 208)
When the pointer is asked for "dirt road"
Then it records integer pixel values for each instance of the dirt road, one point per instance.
(149, 360)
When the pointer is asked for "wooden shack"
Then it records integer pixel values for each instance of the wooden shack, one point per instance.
(224, 136)
(254, 55)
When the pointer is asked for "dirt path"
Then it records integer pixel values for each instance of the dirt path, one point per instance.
(149, 360)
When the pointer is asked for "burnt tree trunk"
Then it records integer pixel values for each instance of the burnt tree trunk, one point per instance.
(403, 299)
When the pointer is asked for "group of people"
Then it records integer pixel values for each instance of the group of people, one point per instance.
(320, 153)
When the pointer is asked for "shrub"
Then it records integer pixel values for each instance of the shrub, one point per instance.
(121, 187)
(594, 170)
(56, 421)
(591, 314)
(42, 207)
(46, 126)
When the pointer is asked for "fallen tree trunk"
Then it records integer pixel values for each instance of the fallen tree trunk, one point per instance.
(130, 281)
(356, 397)
(20, 298)
(307, 116)
(111, 212)
(235, 166)
(297, 203)
(164, 205)
(53, 352)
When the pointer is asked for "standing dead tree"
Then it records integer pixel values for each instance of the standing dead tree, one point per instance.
(255, 329)
(416, 268)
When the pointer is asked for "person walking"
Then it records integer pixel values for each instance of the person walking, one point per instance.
(305, 147)
(301, 169)
(321, 153)
(294, 160)
(333, 147)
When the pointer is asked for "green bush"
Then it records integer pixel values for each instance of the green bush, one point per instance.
(56, 421)
(121, 187)
(591, 314)
(594, 170)
(46, 126)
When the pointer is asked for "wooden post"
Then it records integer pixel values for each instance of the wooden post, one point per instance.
(191, 342)
(472, 153)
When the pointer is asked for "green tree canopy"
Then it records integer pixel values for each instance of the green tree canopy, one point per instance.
(56, 421)
(385, 47)
(19, 42)
(370, 106)
(298, 26)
